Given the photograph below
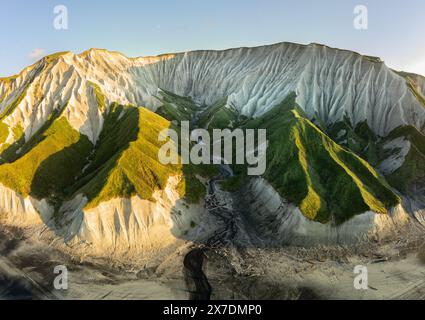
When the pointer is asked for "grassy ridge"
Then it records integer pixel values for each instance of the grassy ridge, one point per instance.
(125, 161)
(359, 139)
(52, 163)
(367, 145)
(10, 153)
(309, 169)
(100, 98)
(58, 163)
(328, 182)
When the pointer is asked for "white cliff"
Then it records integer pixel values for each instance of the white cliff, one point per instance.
(330, 83)
(18, 210)
(279, 222)
(130, 225)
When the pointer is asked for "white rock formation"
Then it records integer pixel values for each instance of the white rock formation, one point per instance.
(18, 210)
(279, 222)
(130, 225)
(330, 83)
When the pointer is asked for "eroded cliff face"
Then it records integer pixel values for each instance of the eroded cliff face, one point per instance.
(20, 211)
(120, 226)
(281, 223)
(130, 225)
(331, 86)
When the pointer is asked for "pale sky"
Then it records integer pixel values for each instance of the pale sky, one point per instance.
(139, 28)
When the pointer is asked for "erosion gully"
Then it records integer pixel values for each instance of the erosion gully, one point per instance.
(230, 226)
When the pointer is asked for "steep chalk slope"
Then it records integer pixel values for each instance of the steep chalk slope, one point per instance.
(327, 182)
(314, 190)
(280, 222)
(126, 199)
(77, 154)
(329, 83)
(114, 195)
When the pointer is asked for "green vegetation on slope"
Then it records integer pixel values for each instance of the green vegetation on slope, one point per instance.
(100, 98)
(234, 183)
(310, 170)
(50, 165)
(327, 182)
(191, 188)
(359, 139)
(219, 116)
(413, 168)
(4, 132)
(362, 141)
(54, 56)
(176, 107)
(6, 83)
(10, 153)
(125, 161)
(58, 163)
(8, 80)
(415, 91)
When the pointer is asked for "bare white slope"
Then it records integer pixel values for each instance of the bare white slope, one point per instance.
(130, 225)
(330, 83)
(18, 210)
(280, 222)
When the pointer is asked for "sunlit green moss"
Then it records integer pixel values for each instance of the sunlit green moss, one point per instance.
(20, 147)
(359, 139)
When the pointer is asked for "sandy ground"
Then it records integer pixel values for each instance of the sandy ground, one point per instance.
(27, 272)
(394, 272)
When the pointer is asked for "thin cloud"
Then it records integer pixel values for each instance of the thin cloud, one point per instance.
(37, 54)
